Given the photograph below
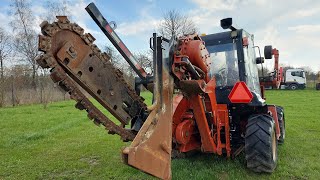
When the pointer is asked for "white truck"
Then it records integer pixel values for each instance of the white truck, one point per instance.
(294, 79)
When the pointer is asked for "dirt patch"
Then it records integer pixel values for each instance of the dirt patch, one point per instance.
(92, 161)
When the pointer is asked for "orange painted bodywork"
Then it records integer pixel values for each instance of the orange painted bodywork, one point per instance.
(193, 48)
(197, 52)
(184, 123)
(192, 110)
(223, 125)
(192, 128)
(207, 143)
(273, 110)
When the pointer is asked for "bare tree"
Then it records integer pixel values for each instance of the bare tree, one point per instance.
(25, 37)
(307, 70)
(116, 58)
(286, 67)
(5, 50)
(145, 60)
(56, 8)
(263, 70)
(176, 24)
(118, 62)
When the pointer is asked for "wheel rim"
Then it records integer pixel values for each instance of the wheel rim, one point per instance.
(293, 87)
(274, 146)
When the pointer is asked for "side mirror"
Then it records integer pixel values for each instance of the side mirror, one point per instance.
(268, 52)
(259, 60)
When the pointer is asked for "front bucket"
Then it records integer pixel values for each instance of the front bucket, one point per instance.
(150, 151)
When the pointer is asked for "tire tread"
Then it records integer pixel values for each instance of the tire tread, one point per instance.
(258, 143)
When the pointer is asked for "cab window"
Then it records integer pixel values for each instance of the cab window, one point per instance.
(224, 66)
(297, 73)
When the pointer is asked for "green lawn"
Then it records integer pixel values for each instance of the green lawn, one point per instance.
(61, 143)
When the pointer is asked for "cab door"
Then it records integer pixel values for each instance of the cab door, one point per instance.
(251, 76)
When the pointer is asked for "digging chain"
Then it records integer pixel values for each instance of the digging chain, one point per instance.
(60, 75)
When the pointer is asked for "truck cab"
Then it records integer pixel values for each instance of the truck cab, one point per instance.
(294, 79)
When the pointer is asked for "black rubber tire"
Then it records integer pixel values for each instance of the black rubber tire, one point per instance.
(282, 124)
(261, 143)
(268, 52)
(318, 86)
(293, 87)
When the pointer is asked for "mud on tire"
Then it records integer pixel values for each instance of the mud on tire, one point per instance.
(261, 143)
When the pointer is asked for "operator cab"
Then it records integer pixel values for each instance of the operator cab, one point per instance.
(233, 59)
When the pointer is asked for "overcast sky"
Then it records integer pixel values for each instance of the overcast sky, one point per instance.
(292, 26)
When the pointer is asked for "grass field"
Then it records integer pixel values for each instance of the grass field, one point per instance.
(60, 143)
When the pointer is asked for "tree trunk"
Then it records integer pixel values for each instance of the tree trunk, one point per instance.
(34, 75)
(1, 82)
(12, 92)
